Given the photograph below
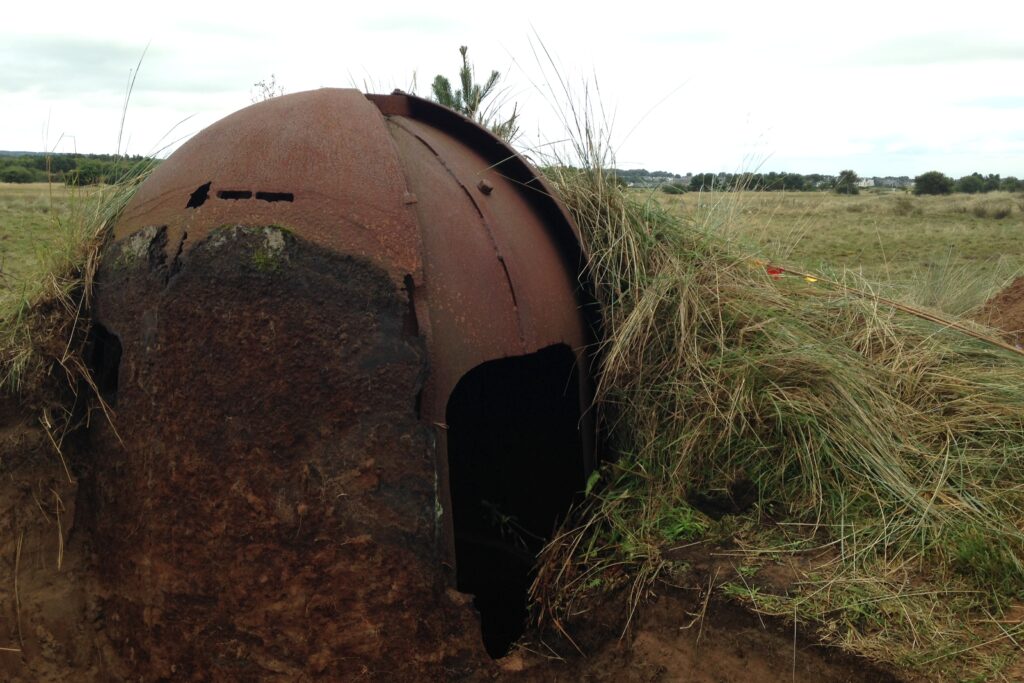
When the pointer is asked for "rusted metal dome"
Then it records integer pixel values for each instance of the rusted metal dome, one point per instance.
(343, 335)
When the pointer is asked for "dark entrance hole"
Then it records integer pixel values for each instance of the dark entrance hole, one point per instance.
(103, 353)
(516, 463)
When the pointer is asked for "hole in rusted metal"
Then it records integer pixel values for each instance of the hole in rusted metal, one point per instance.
(275, 196)
(104, 358)
(515, 463)
(234, 194)
(197, 198)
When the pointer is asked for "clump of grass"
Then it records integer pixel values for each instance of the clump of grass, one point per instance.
(895, 442)
(905, 206)
(955, 288)
(997, 210)
(44, 320)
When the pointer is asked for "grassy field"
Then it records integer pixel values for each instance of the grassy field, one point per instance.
(31, 216)
(950, 252)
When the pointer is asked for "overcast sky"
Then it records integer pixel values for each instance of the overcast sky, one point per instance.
(893, 88)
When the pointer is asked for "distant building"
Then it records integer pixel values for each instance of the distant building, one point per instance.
(900, 182)
(652, 181)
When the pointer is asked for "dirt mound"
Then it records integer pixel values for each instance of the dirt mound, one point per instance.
(1005, 311)
(267, 506)
(679, 637)
(270, 520)
(46, 618)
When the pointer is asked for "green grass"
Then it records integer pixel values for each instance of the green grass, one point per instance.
(30, 219)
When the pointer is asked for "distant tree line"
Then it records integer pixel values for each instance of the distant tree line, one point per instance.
(845, 182)
(936, 182)
(71, 169)
(766, 182)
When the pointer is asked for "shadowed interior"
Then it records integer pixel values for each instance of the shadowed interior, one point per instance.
(516, 464)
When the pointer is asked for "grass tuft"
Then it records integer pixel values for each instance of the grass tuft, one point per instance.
(44, 308)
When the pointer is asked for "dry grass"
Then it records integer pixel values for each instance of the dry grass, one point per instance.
(45, 303)
(895, 443)
(948, 252)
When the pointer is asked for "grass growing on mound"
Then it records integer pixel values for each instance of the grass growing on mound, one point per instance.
(893, 446)
(43, 315)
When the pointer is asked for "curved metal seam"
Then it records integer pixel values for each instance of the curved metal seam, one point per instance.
(515, 169)
(483, 220)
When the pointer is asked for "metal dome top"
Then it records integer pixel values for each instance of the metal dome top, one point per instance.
(487, 255)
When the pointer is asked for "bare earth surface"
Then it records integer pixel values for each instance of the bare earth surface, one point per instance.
(47, 614)
(1005, 311)
(53, 627)
(676, 638)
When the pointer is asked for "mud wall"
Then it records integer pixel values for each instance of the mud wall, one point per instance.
(268, 504)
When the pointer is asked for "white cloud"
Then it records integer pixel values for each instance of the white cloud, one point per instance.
(809, 87)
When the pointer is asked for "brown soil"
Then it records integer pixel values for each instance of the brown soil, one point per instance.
(676, 637)
(46, 615)
(692, 634)
(270, 520)
(56, 627)
(1005, 311)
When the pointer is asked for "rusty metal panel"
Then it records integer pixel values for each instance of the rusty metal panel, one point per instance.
(535, 190)
(494, 281)
(320, 163)
(502, 257)
(502, 261)
(470, 300)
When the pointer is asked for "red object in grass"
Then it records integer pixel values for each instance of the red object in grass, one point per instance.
(774, 271)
